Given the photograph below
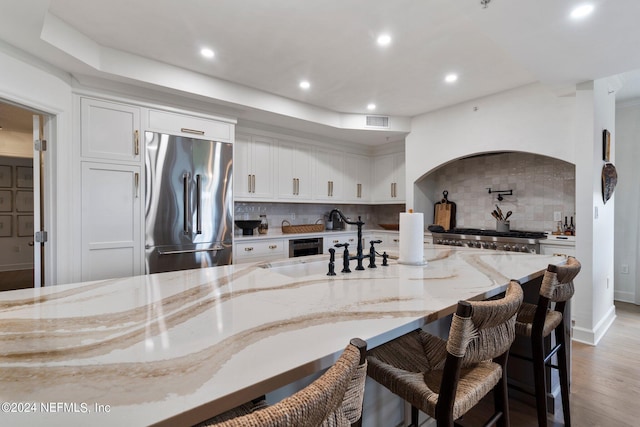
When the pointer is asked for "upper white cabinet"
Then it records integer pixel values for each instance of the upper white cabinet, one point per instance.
(329, 175)
(253, 167)
(294, 171)
(190, 126)
(109, 130)
(389, 173)
(357, 178)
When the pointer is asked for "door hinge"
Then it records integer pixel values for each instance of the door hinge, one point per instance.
(41, 236)
(40, 145)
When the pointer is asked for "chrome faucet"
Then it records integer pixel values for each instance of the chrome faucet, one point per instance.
(359, 253)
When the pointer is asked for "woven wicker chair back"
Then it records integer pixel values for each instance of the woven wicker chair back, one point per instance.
(557, 284)
(489, 331)
(330, 401)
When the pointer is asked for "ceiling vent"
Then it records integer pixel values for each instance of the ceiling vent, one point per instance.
(378, 121)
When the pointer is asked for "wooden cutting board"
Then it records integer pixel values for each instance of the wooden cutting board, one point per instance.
(443, 214)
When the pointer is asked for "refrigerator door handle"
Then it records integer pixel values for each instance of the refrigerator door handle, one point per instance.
(191, 251)
(198, 204)
(185, 203)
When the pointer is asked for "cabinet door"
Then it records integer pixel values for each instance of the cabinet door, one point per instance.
(190, 126)
(384, 178)
(109, 130)
(110, 221)
(294, 172)
(357, 178)
(400, 193)
(262, 169)
(329, 170)
(253, 167)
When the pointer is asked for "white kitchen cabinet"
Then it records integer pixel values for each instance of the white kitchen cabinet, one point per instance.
(257, 251)
(550, 247)
(111, 223)
(253, 167)
(357, 178)
(294, 171)
(389, 176)
(110, 130)
(331, 239)
(329, 174)
(190, 126)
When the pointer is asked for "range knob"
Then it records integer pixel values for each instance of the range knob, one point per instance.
(478, 244)
(494, 246)
(438, 241)
(524, 249)
(507, 247)
(470, 244)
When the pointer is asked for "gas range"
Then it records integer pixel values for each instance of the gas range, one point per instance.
(514, 240)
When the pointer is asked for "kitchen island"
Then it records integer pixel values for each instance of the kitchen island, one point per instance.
(175, 348)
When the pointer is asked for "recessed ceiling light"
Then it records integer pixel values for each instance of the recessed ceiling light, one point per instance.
(305, 84)
(371, 106)
(450, 78)
(384, 39)
(207, 53)
(581, 11)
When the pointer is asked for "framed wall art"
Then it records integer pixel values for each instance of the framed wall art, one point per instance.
(24, 177)
(24, 201)
(6, 201)
(25, 225)
(606, 145)
(5, 176)
(5, 225)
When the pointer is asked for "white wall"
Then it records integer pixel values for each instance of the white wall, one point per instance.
(29, 82)
(627, 195)
(533, 119)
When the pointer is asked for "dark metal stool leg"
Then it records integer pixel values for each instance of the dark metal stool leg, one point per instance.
(539, 376)
(563, 371)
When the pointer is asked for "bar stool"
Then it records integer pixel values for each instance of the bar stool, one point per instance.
(333, 400)
(538, 321)
(445, 379)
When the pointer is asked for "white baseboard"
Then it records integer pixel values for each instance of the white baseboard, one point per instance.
(593, 336)
(624, 296)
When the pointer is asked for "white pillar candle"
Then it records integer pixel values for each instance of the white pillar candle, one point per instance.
(411, 238)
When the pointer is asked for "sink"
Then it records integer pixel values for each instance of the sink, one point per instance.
(300, 267)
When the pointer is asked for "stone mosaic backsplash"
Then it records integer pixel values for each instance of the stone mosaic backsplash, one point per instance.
(304, 213)
(541, 186)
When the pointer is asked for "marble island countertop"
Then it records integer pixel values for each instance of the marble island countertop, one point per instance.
(175, 348)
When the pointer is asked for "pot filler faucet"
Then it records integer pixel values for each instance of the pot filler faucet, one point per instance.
(359, 251)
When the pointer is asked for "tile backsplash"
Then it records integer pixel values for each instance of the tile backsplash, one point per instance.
(541, 186)
(309, 213)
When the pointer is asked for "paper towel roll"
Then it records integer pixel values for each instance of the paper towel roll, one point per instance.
(411, 238)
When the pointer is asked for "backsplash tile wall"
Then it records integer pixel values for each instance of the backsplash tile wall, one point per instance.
(541, 186)
(303, 213)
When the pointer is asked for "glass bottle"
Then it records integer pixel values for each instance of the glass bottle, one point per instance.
(264, 225)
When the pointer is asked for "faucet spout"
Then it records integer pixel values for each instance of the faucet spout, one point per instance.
(359, 251)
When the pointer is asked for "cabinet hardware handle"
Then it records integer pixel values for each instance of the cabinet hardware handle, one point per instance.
(191, 251)
(392, 189)
(248, 249)
(198, 204)
(136, 143)
(253, 183)
(328, 188)
(359, 191)
(396, 240)
(297, 186)
(331, 188)
(136, 182)
(351, 240)
(185, 203)
(193, 131)
(294, 186)
(336, 241)
(249, 183)
(273, 246)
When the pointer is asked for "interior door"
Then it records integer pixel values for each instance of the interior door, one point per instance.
(39, 238)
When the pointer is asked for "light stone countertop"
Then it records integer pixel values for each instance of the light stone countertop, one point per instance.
(175, 348)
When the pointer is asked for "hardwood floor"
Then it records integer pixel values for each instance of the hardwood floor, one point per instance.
(16, 279)
(605, 388)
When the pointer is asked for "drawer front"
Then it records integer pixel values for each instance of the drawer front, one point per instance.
(268, 249)
(189, 126)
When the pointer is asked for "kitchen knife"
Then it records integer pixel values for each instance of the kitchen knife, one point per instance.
(500, 213)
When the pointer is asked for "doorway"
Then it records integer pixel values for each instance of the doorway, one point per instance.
(21, 197)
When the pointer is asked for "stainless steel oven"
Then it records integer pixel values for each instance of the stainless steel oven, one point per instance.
(302, 247)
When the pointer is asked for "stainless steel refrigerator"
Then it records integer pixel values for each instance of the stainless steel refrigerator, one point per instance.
(189, 204)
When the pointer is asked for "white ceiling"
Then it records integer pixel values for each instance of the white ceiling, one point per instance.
(269, 46)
